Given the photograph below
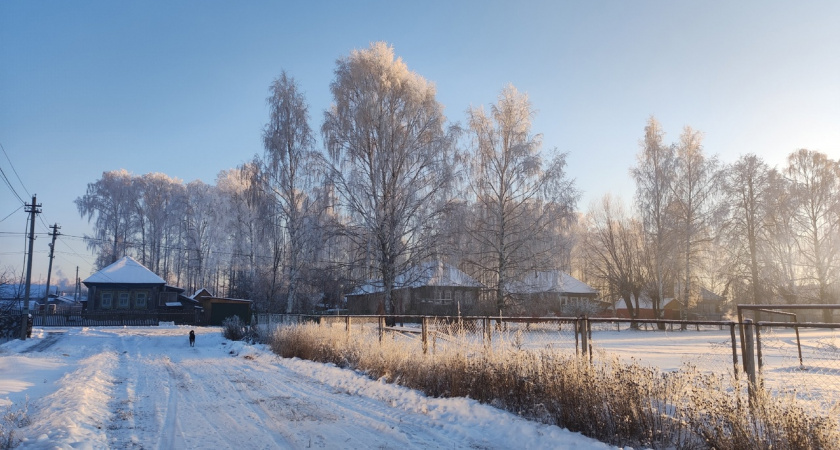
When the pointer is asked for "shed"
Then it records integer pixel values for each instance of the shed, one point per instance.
(217, 309)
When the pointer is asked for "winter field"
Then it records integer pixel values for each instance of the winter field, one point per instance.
(144, 387)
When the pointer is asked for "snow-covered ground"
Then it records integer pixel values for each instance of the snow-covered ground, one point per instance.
(144, 387)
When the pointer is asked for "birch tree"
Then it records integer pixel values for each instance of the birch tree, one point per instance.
(291, 171)
(781, 253)
(695, 190)
(159, 205)
(518, 195)
(613, 245)
(815, 184)
(746, 187)
(654, 177)
(111, 201)
(390, 159)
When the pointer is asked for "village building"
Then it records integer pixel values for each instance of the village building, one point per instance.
(217, 309)
(644, 306)
(554, 292)
(127, 285)
(432, 288)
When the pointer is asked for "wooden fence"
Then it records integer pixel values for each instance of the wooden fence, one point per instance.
(114, 318)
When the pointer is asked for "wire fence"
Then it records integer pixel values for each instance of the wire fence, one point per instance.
(710, 347)
(802, 360)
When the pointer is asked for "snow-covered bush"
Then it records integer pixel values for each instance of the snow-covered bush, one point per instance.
(13, 419)
(233, 328)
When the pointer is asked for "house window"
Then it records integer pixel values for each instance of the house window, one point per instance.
(124, 300)
(458, 297)
(140, 300)
(564, 300)
(107, 299)
(447, 297)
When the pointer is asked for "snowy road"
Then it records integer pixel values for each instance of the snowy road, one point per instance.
(115, 387)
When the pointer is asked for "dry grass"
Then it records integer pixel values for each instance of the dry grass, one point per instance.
(622, 404)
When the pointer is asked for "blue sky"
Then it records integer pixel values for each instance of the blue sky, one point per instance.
(180, 87)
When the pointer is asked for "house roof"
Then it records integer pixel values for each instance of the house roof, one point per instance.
(201, 293)
(645, 302)
(433, 273)
(125, 271)
(550, 281)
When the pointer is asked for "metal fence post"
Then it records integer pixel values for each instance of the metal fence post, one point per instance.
(749, 356)
(424, 333)
(758, 350)
(584, 338)
(381, 328)
(347, 326)
(798, 345)
(488, 334)
(734, 350)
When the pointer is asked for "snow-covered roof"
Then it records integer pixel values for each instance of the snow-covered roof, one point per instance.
(125, 271)
(434, 273)
(199, 292)
(550, 281)
(645, 302)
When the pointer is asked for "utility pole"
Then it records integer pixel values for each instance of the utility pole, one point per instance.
(54, 235)
(24, 314)
(77, 293)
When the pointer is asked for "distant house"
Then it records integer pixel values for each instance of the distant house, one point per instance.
(432, 288)
(60, 304)
(555, 292)
(710, 306)
(127, 285)
(670, 306)
(217, 309)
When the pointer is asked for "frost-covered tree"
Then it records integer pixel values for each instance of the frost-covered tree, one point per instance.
(291, 168)
(746, 185)
(815, 183)
(519, 197)
(202, 234)
(695, 189)
(654, 176)
(160, 204)
(111, 200)
(780, 253)
(390, 157)
(613, 245)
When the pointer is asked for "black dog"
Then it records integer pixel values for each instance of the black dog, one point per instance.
(192, 338)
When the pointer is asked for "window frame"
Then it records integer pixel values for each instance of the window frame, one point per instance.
(124, 300)
(109, 295)
(137, 299)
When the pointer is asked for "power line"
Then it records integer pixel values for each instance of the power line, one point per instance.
(9, 184)
(10, 214)
(16, 174)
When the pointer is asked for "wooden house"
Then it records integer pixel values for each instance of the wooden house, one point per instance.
(671, 308)
(432, 288)
(554, 292)
(127, 285)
